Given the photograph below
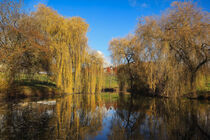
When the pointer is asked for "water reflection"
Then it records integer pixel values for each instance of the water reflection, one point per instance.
(147, 118)
(99, 117)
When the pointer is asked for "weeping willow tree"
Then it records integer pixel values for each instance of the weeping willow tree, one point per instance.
(124, 54)
(70, 52)
(169, 54)
(164, 75)
(46, 41)
(93, 73)
(178, 46)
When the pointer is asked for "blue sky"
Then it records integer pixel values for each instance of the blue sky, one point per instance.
(108, 19)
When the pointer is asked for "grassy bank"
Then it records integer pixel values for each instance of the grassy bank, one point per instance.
(111, 83)
(33, 88)
(38, 85)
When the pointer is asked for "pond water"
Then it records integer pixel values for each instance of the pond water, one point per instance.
(105, 116)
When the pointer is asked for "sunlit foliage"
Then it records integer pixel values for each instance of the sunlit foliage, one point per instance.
(167, 54)
(44, 41)
(23, 47)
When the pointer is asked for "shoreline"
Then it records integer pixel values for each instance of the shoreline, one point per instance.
(43, 91)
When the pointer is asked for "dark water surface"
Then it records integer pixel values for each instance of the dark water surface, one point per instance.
(105, 117)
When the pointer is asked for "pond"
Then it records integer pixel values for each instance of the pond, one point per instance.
(105, 116)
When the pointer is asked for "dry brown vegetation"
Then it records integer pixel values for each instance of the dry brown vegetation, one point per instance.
(168, 55)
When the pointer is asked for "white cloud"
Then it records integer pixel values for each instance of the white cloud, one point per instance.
(137, 3)
(107, 59)
(100, 53)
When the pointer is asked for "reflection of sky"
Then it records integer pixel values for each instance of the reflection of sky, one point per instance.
(102, 135)
(145, 128)
(19, 116)
(47, 102)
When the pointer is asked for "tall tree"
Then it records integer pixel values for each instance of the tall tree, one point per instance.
(186, 29)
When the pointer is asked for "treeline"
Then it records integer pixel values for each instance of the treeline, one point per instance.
(168, 55)
(45, 42)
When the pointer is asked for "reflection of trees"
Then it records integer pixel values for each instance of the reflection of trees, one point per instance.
(147, 118)
(81, 116)
(129, 115)
(24, 122)
(183, 119)
(73, 117)
(77, 117)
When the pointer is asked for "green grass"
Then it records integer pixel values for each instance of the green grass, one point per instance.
(110, 81)
(204, 84)
(107, 96)
(36, 86)
(35, 83)
(36, 80)
(38, 77)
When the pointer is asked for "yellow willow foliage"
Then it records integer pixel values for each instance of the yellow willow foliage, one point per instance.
(71, 61)
(24, 49)
(78, 43)
(46, 41)
(3, 82)
(160, 66)
(93, 77)
(56, 28)
(78, 116)
(100, 78)
(99, 100)
(93, 102)
(58, 111)
(181, 39)
(168, 54)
